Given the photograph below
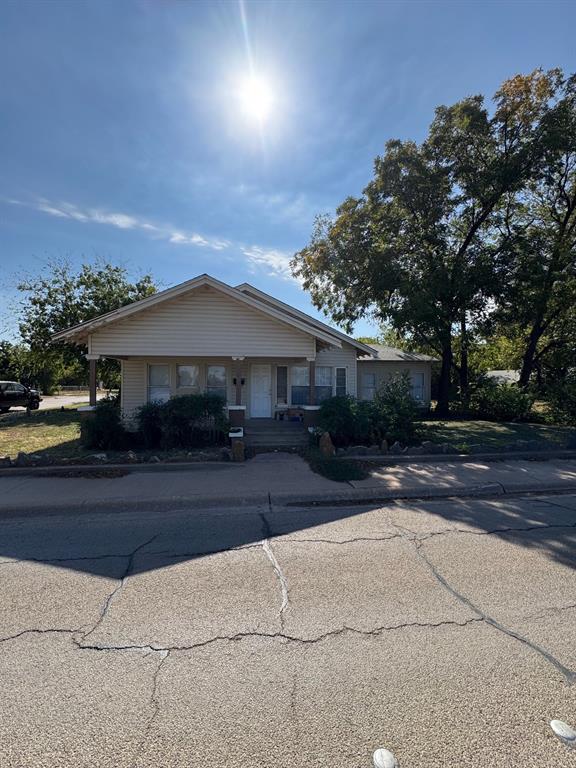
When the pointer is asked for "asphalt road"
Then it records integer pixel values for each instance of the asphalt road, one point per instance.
(445, 631)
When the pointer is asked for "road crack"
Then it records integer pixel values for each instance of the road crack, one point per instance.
(411, 537)
(109, 600)
(269, 552)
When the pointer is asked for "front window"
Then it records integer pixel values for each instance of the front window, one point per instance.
(188, 376)
(300, 385)
(368, 386)
(158, 383)
(417, 387)
(323, 382)
(340, 382)
(216, 381)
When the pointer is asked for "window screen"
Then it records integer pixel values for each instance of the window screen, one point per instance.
(323, 382)
(368, 386)
(158, 383)
(300, 385)
(417, 386)
(340, 382)
(188, 376)
(216, 380)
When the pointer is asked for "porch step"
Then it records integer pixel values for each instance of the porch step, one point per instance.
(268, 433)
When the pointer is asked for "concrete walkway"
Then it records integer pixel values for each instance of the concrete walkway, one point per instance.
(283, 479)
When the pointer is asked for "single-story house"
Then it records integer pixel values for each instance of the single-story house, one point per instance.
(263, 356)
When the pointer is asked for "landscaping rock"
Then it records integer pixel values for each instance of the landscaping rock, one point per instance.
(238, 450)
(373, 450)
(396, 448)
(5, 461)
(449, 449)
(326, 445)
(415, 450)
(358, 450)
(430, 447)
(154, 460)
(384, 447)
(341, 451)
(22, 460)
(99, 456)
(226, 454)
(131, 457)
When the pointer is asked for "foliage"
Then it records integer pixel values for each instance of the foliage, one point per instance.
(396, 410)
(562, 400)
(421, 249)
(62, 296)
(540, 295)
(188, 421)
(149, 420)
(501, 402)
(348, 420)
(339, 470)
(104, 430)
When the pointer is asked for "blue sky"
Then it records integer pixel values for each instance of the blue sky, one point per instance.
(122, 134)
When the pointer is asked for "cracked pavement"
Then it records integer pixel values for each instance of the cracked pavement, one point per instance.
(444, 630)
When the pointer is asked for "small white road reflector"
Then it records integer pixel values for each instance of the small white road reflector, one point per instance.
(565, 733)
(385, 759)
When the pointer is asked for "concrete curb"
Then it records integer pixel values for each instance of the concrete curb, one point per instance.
(184, 466)
(430, 458)
(348, 497)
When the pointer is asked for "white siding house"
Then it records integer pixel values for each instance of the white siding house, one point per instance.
(265, 357)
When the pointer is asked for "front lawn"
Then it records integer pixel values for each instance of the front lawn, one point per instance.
(49, 433)
(488, 435)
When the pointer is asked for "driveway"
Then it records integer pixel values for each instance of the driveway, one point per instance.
(290, 637)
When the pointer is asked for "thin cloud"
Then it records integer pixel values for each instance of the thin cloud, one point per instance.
(276, 263)
(273, 262)
(120, 221)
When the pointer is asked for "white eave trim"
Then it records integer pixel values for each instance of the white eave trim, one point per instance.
(81, 330)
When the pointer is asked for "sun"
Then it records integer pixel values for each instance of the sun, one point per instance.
(256, 98)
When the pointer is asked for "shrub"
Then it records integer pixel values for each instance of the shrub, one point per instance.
(104, 429)
(336, 416)
(348, 420)
(188, 421)
(396, 410)
(562, 401)
(149, 420)
(501, 402)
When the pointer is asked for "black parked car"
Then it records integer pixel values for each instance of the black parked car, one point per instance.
(13, 394)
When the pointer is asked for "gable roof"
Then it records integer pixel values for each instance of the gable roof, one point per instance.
(391, 354)
(298, 320)
(247, 288)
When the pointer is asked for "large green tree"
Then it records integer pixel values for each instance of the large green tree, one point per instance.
(62, 296)
(540, 294)
(421, 248)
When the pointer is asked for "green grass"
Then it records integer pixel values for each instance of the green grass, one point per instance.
(492, 435)
(339, 470)
(50, 433)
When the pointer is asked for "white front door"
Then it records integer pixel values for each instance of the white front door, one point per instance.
(261, 391)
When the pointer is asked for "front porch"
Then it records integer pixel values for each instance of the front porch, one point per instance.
(283, 390)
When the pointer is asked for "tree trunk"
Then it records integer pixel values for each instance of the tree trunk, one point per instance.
(464, 383)
(529, 355)
(443, 407)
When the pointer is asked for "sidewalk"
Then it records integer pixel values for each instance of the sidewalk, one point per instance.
(282, 479)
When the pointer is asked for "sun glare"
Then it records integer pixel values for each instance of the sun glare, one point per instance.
(256, 98)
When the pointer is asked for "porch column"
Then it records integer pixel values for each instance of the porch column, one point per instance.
(238, 376)
(312, 382)
(92, 381)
